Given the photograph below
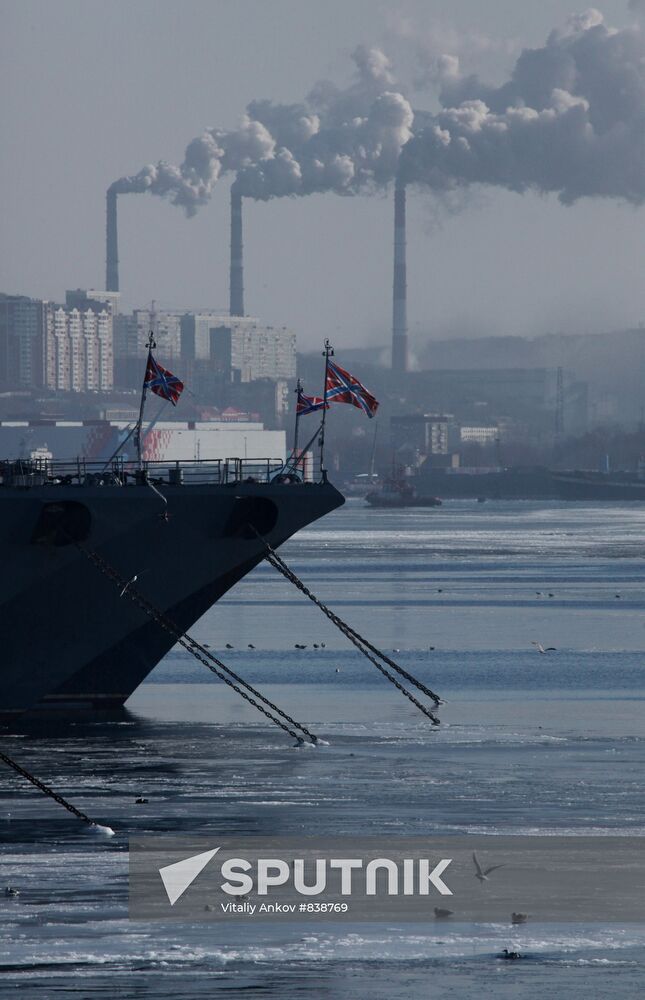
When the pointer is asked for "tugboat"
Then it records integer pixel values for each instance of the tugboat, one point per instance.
(396, 492)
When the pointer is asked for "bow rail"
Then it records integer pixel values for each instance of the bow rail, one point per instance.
(122, 473)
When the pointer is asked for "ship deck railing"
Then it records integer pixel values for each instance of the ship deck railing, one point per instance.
(121, 473)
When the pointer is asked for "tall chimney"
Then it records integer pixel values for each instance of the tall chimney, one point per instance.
(236, 287)
(399, 298)
(111, 245)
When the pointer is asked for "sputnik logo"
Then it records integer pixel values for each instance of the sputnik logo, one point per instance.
(274, 872)
(180, 876)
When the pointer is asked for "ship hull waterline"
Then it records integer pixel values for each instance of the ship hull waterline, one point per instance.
(68, 637)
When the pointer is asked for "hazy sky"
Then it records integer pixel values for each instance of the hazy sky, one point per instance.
(94, 90)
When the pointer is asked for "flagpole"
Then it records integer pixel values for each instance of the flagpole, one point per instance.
(327, 353)
(137, 430)
(296, 426)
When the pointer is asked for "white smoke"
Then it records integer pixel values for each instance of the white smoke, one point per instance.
(339, 140)
(570, 120)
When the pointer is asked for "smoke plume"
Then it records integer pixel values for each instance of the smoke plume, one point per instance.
(570, 120)
(344, 141)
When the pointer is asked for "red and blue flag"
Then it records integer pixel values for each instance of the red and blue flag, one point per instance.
(345, 388)
(162, 382)
(309, 404)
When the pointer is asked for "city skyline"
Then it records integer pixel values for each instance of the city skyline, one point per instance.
(321, 264)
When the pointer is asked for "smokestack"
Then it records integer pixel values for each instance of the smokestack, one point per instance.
(111, 245)
(399, 298)
(236, 287)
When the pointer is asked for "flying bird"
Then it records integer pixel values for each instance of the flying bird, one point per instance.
(128, 584)
(541, 649)
(483, 873)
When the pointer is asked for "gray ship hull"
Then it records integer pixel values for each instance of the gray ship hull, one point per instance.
(68, 638)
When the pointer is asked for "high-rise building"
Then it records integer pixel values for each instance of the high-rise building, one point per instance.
(133, 330)
(92, 298)
(79, 350)
(209, 349)
(23, 323)
(258, 351)
(131, 333)
(242, 348)
(195, 332)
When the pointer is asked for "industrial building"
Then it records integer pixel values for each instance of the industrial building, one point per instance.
(424, 434)
(482, 434)
(96, 440)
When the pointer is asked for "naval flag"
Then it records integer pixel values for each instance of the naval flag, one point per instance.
(162, 382)
(342, 387)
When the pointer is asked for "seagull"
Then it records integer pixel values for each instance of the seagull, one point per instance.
(128, 584)
(540, 648)
(10, 892)
(519, 918)
(480, 873)
(441, 914)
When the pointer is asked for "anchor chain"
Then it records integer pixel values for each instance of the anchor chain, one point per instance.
(47, 790)
(362, 644)
(200, 653)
